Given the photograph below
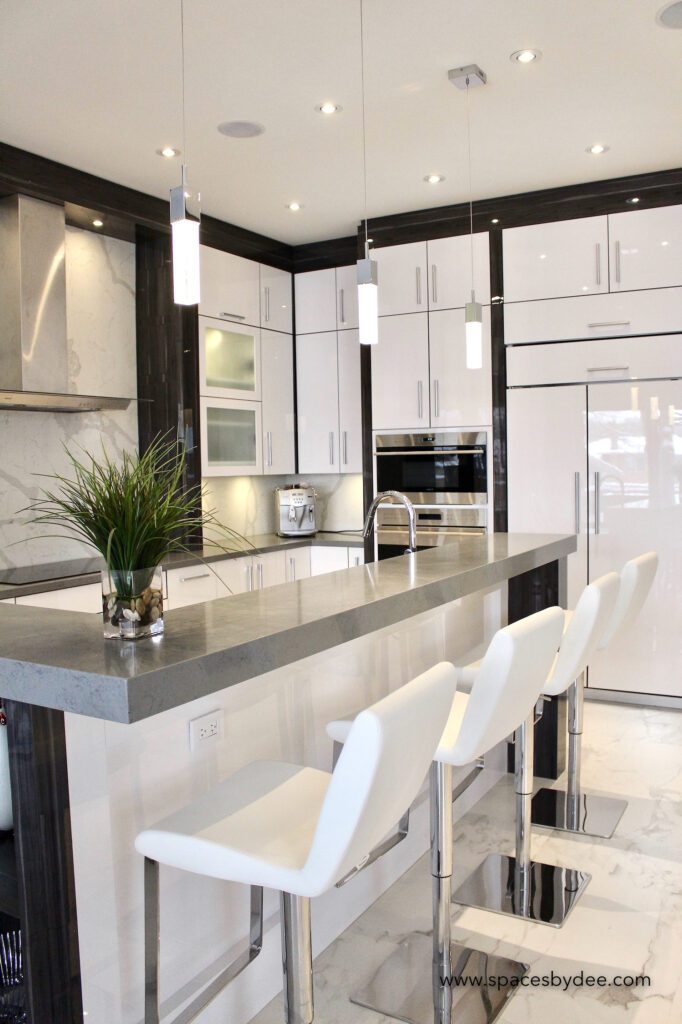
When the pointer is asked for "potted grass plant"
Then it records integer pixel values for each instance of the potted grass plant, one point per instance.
(135, 513)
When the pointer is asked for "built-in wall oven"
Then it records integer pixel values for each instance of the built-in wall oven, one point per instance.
(445, 476)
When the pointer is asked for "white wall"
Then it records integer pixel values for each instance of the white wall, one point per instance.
(100, 312)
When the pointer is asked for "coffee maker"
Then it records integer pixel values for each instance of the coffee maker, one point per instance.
(295, 510)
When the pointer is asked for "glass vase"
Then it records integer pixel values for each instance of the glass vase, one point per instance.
(132, 603)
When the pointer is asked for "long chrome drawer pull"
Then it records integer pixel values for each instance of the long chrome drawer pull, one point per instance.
(234, 316)
(200, 576)
(612, 323)
(433, 454)
(603, 369)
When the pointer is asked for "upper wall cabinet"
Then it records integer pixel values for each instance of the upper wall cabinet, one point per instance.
(315, 301)
(544, 261)
(460, 397)
(646, 248)
(230, 287)
(450, 271)
(347, 297)
(229, 360)
(276, 299)
(403, 284)
(400, 373)
(277, 361)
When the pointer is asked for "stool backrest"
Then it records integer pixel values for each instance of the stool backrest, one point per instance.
(511, 678)
(636, 581)
(379, 773)
(592, 614)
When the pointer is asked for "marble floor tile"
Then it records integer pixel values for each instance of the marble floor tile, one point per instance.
(629, 920)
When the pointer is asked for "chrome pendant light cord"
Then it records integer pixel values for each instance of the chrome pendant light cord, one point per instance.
(364, 129)
(182, 88)
(471, 194)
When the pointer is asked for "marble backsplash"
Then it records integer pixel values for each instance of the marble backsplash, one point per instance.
(100, 309)
(247, 504)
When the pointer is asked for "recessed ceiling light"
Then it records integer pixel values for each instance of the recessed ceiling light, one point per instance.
(525, 56)
(168, 152)
(543, 255)
(241, 129)
(328, 108)
(495, 220)
(633, 201)
(97, 223)
(670, 16)
(665, 243)
(294, 207)
(597, 149)
(434, 179)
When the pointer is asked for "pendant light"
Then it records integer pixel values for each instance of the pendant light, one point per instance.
(368, 277)
(465, 78)
(184, 217)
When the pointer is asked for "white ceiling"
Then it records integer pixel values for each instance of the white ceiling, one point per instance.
(95, 84)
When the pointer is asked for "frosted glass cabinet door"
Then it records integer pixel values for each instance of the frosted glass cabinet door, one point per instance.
(546, 448)
(231, 438)
(229, 360)
(646, 248)
(459, 397)
(635, 447)
(546, 261)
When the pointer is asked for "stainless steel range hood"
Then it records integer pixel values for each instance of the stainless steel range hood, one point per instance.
(33, 345)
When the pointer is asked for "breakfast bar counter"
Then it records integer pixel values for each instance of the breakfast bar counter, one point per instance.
(100, 746)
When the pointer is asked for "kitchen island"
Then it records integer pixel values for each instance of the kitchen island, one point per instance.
(99, 749)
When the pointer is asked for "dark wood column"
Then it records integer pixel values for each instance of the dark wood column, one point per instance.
(42, 830)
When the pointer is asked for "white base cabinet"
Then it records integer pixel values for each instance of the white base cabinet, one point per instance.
(297, 564)
(193, 585)
(328, 559)
(87, 598)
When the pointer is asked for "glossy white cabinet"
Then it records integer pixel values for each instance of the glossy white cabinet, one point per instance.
(231, 437)
(618, 314)
(277, 372)
(269, 569)
(547, 470)
(317, 382)
(400, 373)
(459, 397)
(276, 299)
(636, 448)
(193, 585)
(347, 297)
(356, 556)
(315, 301)
(593, 361)
(235, 575)
(646, 248)
(403, 278)
(230, 287)
(87, 598)
(327, 559)
(449, 263)
(543, 261)
(297, 564)
(229, 360)
(350, 403)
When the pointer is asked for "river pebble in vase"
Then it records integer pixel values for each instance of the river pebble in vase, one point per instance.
(132, 603)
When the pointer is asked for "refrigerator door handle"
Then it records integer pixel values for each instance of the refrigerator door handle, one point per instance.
(597, 511)
(577, 502)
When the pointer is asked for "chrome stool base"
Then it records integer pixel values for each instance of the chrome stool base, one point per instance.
(586, 815)
(403, 988)
(548, 897)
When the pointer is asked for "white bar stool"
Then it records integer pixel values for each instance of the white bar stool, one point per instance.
(519, 886)
(297, 830)
(509, 683)
(572, 810)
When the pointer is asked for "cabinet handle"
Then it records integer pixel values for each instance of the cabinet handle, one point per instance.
(419, 285)
(577, 502)
(357, 559)
(345, 447)
(436, 398)
(199, 576)
(260, 575)
(598, 252)
(331, 447)
(617, 262)
(267, 304)
(233, 316)
(420, 400)
(268, 437)
(342, 304)
(292, 567)
(612, 323)
(605, 369)
(434, 283)
(249, 578)
(597, 511)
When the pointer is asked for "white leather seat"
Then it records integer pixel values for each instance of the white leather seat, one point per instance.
(299, 829)
(636, 580)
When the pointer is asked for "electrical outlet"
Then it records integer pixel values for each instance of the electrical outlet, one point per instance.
(207, 727)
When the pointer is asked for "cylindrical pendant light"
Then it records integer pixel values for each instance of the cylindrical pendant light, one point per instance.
(184, 217)
(368, 271)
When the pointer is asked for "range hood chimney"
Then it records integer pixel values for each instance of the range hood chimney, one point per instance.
(33, 346)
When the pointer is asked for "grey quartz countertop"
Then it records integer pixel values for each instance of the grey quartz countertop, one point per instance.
(61, 660)
(39, 579)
